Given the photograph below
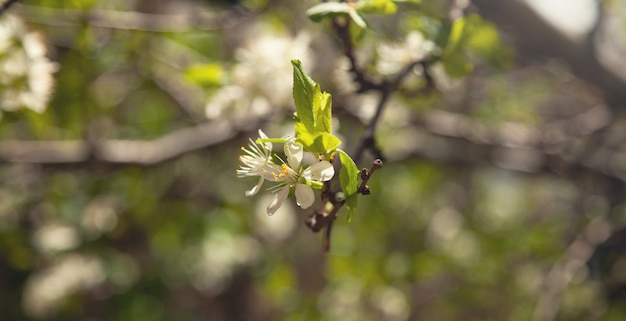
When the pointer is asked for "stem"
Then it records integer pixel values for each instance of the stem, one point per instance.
(327, 234)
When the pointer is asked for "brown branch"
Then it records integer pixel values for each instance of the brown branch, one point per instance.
(118, 151)
(458, 140)
(365, 81)
(194, 20)
(325, 217)
(368, 141)
(366, 175)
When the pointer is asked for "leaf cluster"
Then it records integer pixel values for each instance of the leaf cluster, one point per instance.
(313, 130)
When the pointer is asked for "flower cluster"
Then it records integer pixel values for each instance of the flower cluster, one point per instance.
(395, 56)
(25, 72)
(260, 81)
(292, 176)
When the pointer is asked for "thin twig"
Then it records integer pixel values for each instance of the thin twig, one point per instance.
(367, 174)
(342, 28)
(321, 219)
(367, 137)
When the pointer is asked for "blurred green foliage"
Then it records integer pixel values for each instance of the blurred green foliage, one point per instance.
(438, 239)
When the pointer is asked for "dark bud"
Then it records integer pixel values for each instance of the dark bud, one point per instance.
(366, 190)
(378, 163)
(315, 221)
(364, 174)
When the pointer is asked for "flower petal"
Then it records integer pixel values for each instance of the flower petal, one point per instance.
(294, 154)
(268, 145)
(278, 200)
(256, 188)
(304, 196)
(320, 171)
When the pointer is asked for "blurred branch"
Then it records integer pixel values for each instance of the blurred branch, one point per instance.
(386, 89)
(191, 21)
(185, 97)
(537, 38)
(117, 151)
(324, 218)
(6, 6)
(563, 271)
(365, 81)
(457, 139)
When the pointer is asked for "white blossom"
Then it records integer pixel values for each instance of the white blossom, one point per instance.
(260, 81)
(25, 72)
(256, 162)
(394, 56)
(293, 175)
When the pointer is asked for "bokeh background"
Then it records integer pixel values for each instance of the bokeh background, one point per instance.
(501, 198)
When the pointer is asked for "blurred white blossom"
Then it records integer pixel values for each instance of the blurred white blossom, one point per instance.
(25, 72)
(261, 81)
(343, 299)
(220, 255)
(280, 227)
(343, 77)
(56, 236)
(394, 56)
(391, 302)
(46, 289)
(101, 215)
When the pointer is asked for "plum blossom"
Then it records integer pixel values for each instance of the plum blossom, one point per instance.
(260, 82)
(256, 162)
(293, 175)
(395, 56)
(26, 79)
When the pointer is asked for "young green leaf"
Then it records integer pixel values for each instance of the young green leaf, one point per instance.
(333, 9)
(314, 110)
(358, 20)
(376, 7)
(207, 75)
(453, 58)
(457, 35)
(456, 65)
(328, 9)
(304, 89)
(349, 181)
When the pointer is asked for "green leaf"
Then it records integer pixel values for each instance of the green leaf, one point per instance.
(304, 89)
(376, 7)
(456, 65)
(358, 20)
(456, 35)
(314, 113)
(349, 180)
(328, 9)
(333, 9)
(484, 42)
(206, 75)
(454, 61)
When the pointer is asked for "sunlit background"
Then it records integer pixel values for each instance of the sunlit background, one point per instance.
(501, 197)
